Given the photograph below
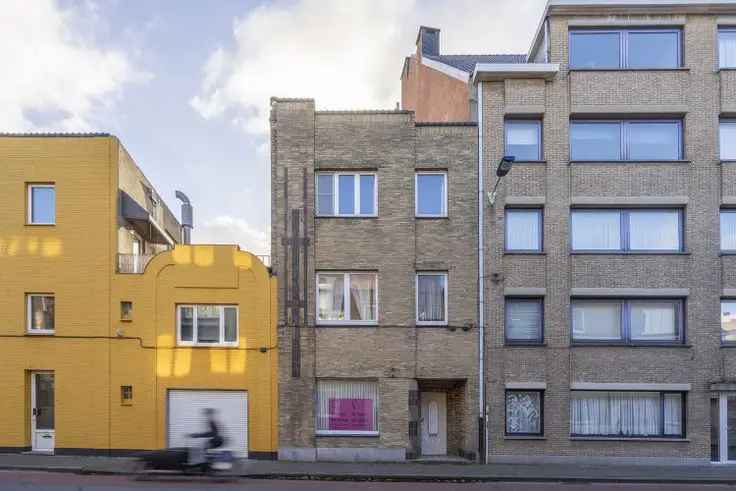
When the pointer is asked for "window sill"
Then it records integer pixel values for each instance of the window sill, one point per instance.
(372, 434)
(524, 437)
(630, 253)
(626, 69)
(431, 217)
(126, 320)
(40, 333)
(347, 324)
(623, 162)
(431, 324)
(728, 345)
(543, 161)
(629, 345)
(512, 344)
(728, 161)
(628, 439)
(348, 217)
(213, 345)
(524, 253)
(727, 253)
(40, 225)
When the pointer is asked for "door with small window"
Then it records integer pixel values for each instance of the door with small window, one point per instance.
(42, 412)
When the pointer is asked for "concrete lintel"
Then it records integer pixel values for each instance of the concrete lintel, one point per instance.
(629, 386)
(629, 200)
(630, 292)
(524, 200)
(488, 72)
(524, 292)
(526, 385)
(729, 292)
(728, 200)
(524, 109)
(723, 387)
(598, 21)
(627, 109)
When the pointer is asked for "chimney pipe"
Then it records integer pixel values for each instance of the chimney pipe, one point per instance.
(187, 219)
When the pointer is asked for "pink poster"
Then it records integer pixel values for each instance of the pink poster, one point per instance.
(351, 414)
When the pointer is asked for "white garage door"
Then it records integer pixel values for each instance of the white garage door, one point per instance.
(186, 416)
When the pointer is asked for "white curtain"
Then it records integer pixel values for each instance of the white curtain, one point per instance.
(523, 319)
(331, 288)
(728, 231)
(616, 413)
(344, 405)
(523, 230)
(431, 298)
(727, 140)
(596, 230)
(654, 230)
(523, 412)
(727, 48)
(363, 296)
(596, 320)
(672, 414)
(656, 141)
(654, 320)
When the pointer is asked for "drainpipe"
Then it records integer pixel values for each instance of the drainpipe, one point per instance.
(482, 451)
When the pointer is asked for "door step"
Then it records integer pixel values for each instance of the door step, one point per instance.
(441, 459)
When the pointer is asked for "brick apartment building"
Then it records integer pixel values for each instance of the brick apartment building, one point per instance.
(606, 260)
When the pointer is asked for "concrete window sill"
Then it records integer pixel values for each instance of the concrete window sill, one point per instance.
(543, 161)
(525, 437)
(673, 69)
(624, 162)
(623, 439)
(524, 253)
(636, 345)
(630, 253)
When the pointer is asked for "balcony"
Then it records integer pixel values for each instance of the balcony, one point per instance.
(133, 263)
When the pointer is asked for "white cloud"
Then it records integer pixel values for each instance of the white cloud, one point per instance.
(55, 78)
(345, 54)
(231, 230)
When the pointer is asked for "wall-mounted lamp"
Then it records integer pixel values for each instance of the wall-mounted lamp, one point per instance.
(504, 167)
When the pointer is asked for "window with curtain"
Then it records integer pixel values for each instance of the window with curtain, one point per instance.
(41, 204)
(344, 298)
(728, 321)
(207, 325)
(626, 414)
(524, 139)
(640, 48)
(523, 229)
(624, 140)
(347, 407)
(345, 194)
(728, 229)
(727, 139)
(727, 47)
(634, 321)
(431, 194)
(626, 230)
(524, 320)
(432, 298)
(41, 313)
(524, 412)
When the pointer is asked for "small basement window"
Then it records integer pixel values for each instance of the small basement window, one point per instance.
(126, 311)
(126, 394)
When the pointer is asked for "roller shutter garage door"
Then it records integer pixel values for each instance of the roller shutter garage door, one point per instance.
(186, 416)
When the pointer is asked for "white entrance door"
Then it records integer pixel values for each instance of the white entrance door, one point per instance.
(434, 423)
(724, 429)
(42, 411)
(186, 415)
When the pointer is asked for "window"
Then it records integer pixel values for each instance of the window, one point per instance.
(524, 139)
(728, 321)
(627, 140)
(727, 47)
(126, 311)
(431, 298)
(347, 298)
(524, 320)
(626, 230)
(347, 407)
(634, 321)
(627, 414)
(625, 48)
(727, 139)
(431, 194)
(40, 313)
(41, 204)
(208, 325)
(126, 395)
(524, 229)
(524, 412)
(346, 194)
(728, 230)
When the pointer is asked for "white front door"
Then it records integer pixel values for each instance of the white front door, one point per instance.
(42, 411)
(723, 429)
(434, 423)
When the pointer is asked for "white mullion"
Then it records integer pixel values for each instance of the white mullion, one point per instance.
(356, 194)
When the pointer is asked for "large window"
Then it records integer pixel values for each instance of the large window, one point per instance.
(345, 298)
(625, 48)
(347, 407)
(627, 414)
(431, 298)
(524, 139)
(524, 320)
(728, 230)
(727, 139)
(40, 315)
(431, 194)
(728, 321)
(207, 325)
(632, 321)
(41, 204)
(625, 140)
(727, 47)
(524, 412)
(598, 230)
(346, 194)
(524, 229)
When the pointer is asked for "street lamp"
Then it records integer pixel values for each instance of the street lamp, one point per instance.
(504, 166)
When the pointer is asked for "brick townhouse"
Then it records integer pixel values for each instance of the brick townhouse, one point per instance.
(607, 307)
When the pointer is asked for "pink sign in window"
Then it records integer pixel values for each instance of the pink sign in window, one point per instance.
(351, 414)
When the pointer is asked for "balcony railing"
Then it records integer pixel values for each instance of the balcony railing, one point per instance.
(133, 263)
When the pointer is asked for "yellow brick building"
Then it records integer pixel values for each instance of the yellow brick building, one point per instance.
(113, 335)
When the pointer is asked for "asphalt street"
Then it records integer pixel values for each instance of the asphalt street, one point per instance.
(46, 481)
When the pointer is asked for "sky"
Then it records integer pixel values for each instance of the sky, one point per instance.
(185, 84)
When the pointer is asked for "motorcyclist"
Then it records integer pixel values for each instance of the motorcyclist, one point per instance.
(215, 439)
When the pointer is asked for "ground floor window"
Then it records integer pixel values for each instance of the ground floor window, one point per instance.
(627, 414)
(524, 410)
(346, 407)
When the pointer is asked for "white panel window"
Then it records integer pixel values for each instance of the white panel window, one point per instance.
(727, 139)
(728, 321)
(626, 140)
(639, 48)
(594, 230)
(524, 139)
(524, 412)
(207, 325)
(346, 407)
(728, 230)
(346, 194)
(523, 229)
(431, 194)
(347, 298)
(41, 204)
(627, 230)
(40, 313)
(727, 47)
(431, 302)
(524, 320)
(596, 320)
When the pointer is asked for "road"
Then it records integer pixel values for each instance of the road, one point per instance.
(30, 481)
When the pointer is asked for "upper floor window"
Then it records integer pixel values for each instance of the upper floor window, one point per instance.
(637, 140)
(524, 320)
(40, 313)
(728, 230)
(207, 325)
(728, 320)
(524, 139)
(431, 298)
(727, 139)
(347, 298)
(431, 194)
(626, 230)
(524, 229)
(727, 47)
(625, 48)
(41, 204)
(346, 194)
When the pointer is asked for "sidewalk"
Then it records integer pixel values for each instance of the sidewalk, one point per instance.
(402, 472)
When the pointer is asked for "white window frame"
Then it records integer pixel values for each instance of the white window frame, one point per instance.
(29, 314)
(416, 298)
(724, 122)
(346, 297)
(623, 50)
(723, 29)
(356, 200)
(194, 342)
(443, 213)
(377, 404)
(29, 217)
